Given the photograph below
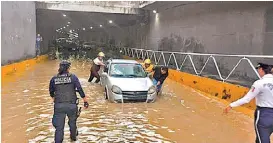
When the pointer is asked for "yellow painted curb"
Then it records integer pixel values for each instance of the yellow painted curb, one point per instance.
(223, 92)
(10, 70)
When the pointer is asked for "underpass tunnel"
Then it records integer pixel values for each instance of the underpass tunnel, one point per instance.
(101, 28)
(188, 37)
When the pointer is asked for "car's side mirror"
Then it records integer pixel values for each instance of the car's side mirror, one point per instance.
(146, 73)
(106, 69)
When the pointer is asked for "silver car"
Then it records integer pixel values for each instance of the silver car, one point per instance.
(126, 81)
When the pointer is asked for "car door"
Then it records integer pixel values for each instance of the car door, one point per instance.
(104, 74)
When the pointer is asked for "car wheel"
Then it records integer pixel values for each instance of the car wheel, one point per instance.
(105, 94)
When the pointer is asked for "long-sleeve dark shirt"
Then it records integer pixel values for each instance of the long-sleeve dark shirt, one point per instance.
(158, 76)
(75, 81)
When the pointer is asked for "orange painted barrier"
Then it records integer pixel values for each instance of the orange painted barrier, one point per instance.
(8, 71)
(224, 92)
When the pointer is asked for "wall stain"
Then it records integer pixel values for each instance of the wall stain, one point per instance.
(226, 95)
(181, 44)
(186, 45)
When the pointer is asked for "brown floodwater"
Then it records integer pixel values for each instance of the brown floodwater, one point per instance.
(179, 115)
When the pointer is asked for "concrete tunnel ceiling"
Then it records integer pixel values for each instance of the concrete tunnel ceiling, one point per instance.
(54, 19)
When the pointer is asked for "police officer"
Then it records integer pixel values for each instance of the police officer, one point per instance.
(62, 89)
(98, 62)
(262, 90)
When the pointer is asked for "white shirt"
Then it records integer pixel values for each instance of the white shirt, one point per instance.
(97, 61)
(262, 90)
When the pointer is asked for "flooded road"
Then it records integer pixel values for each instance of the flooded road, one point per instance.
(179, 115)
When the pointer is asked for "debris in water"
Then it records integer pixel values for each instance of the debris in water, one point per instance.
(171, 131)
(163, 127)
(44, 115)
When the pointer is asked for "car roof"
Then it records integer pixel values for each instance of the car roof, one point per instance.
(121, 61)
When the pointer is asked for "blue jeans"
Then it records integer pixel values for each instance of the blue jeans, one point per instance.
(58, 121)
(158, 87)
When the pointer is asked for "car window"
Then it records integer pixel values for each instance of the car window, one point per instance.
(127, 70)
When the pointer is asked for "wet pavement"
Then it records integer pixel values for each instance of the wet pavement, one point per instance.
(180, 115)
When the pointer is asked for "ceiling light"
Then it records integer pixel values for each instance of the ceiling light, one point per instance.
(100, 25)
(64, 27)
(91, 27)
(64, 15)
(154, 11)
(83, 28)
(67, 25)
(68, 22)
(110, 21)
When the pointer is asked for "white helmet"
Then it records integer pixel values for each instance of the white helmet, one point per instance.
(101, 54)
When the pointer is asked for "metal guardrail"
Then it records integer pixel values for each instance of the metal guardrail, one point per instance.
(142, 53)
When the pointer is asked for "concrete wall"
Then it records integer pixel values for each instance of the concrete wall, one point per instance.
(221, 27)
(215, 27)
(18, 26)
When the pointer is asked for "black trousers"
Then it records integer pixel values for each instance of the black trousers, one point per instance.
(94, 74)
(263, 124)
(61, 110)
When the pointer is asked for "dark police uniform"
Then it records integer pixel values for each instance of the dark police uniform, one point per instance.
(262, 91)
(63, 88)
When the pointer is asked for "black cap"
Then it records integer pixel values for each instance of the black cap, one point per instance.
(65, 63)
(262, 65)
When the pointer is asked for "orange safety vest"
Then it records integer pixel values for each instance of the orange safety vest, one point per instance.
(149, 69)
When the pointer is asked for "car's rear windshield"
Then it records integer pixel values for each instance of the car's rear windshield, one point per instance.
(125, 70)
